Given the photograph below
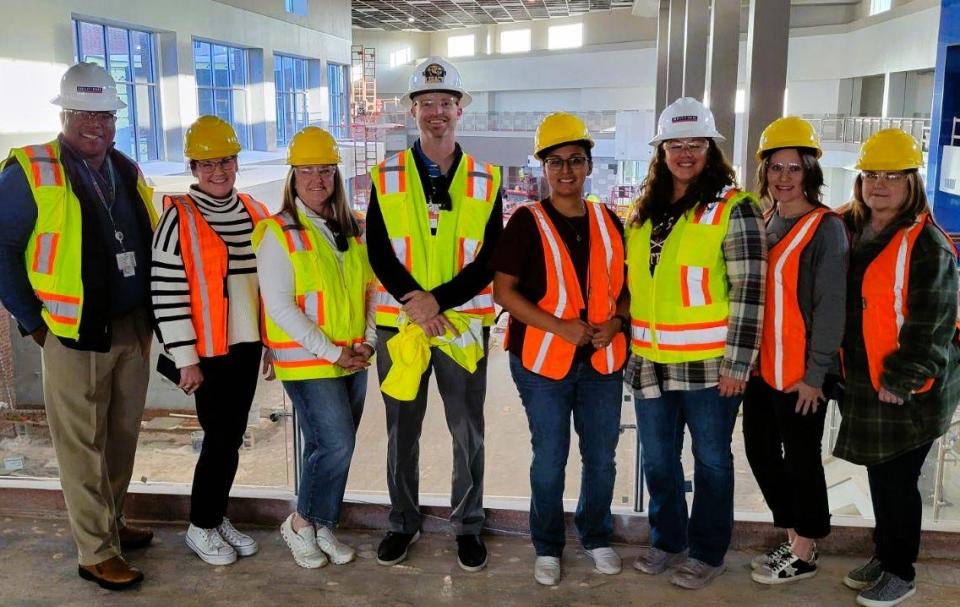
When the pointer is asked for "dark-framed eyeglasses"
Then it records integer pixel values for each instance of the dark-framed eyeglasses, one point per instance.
(87, 116)
(224, 164)
(555, 163)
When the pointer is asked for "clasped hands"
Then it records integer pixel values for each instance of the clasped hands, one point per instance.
(581, 333)
(421, 308)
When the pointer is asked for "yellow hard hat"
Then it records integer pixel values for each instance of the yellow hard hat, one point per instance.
(559, 128)
(890, 150)
(210, 137)
(788, 132)
(312, 145)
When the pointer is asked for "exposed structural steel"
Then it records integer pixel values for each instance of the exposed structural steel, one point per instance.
(432, 15)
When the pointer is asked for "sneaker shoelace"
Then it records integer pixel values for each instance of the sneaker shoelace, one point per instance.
(778, 552)
(229, 533)
(213, 538)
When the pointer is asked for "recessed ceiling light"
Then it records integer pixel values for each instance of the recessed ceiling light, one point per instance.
(410, 19)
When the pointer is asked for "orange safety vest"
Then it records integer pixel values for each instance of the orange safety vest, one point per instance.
(205, 260)
(548, 354)
(783, 345)
(884, 294)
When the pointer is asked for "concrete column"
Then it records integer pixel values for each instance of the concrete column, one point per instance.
(663, 52)
(723, 61)
(894, 94)
(768, 34)
(697, 27)
(678, 9)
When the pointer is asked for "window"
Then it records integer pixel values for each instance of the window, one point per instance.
(339, 104)
(297, 7)
(400, 57)
(879, 6)
(221, 84)
(460, 46)
(565, 36)
(129, 57)
(290, 80)
(515, 41)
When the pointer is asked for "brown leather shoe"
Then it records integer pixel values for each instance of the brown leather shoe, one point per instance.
(134, 537)
(112, 574)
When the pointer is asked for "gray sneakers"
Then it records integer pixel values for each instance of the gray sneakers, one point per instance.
(654, 561)
(694, 574)
(888, 591)
(865, 575)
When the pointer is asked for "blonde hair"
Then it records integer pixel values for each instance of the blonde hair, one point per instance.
(342, 212)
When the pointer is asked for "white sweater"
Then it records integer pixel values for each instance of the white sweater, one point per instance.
(279, 296)
(170, 290)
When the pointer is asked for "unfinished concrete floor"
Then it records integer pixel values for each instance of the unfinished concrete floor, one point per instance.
(37, 568)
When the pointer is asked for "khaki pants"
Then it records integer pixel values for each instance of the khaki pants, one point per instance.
(94, 403)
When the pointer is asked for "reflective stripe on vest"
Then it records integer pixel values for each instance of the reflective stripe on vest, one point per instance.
(783, 344)
(62, 309)
(393, 178)
(884, 291)
(548, 354)
(206, 262)
(45, 165)
(691, 337)
(45, 253)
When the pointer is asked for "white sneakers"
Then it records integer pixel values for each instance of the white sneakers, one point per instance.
(605, 560)
(311, 547)
(221, 545)
(546, 570)
(241, 542)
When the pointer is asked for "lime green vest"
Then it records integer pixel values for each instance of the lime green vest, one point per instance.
(53, 255)
(679, 314)
(330, 294)
(435, 259)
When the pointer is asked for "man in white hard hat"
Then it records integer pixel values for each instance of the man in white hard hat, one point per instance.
(434, 218)
(75, 231)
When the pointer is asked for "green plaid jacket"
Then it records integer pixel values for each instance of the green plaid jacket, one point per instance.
(872, 432)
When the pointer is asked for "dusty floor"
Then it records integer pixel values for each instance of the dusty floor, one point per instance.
(37, 568)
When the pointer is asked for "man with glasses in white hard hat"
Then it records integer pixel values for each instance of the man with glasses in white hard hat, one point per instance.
(434, 218)
(75, 232)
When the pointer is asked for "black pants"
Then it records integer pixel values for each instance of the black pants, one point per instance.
(783, 448)
(223, 402)
(898, 510)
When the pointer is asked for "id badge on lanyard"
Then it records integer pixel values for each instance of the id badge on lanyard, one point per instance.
(433, 212)
(126, 260)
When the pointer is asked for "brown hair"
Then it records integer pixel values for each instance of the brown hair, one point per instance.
(916, 202)
(656, 191)
(342, 212)
(812, 177)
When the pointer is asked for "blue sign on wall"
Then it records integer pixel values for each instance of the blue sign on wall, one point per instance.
(946, 107)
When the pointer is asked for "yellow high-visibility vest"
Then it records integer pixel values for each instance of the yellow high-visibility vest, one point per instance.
(330, 294)
(53, 256)
(680, 313)
(435, 259)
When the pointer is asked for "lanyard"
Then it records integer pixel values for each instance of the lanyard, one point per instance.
(107, 206)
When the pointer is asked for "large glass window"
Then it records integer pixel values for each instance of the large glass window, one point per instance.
(130, 58)
(290, 79)
(460, 46)
(222, 84)
(879, 6)
(339, 103)
(565, 36)
(515, 41)
(297, 7)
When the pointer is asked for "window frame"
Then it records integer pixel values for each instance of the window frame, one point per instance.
(297, 95)
(232, 90)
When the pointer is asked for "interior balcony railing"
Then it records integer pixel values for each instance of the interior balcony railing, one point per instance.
(857, 129)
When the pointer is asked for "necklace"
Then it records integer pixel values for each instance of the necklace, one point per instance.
(569, 223)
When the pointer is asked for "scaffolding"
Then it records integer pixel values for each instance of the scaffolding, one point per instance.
(364, 116)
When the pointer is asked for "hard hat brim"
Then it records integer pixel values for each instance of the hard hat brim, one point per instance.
(657, 139)
(88, 107)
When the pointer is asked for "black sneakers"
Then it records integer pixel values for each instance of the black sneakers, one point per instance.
(393, 548)
(787, 568)
(471, 553)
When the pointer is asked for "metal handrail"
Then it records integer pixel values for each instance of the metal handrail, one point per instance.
(857, 129)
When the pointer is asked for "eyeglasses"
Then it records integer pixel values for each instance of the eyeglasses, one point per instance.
(224, 164)
(444, 105)
(312, 170)
(85, 116)
(694, 147)
(890, 177)
(555, 163)
(792, 168)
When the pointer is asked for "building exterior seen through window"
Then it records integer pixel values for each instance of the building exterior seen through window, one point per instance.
(565, 36)
(290, 80)
(296, 7)
(129, 56)
(222, 85)
(515, 41)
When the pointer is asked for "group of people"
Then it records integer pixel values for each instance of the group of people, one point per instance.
(706, 297)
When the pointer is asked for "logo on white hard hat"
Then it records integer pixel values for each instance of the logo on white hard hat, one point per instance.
(90, 89)
(434, 74)
(687, 118)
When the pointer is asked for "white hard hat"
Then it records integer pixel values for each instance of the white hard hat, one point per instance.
(686, 117)
(87, 86)
(436, 74)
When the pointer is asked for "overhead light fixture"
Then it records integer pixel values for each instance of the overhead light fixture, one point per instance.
(410, 19)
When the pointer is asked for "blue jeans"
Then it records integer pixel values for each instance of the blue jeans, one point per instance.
(328, 412)
(595, 401)
(660, 423)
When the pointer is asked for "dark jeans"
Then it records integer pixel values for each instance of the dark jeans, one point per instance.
(660, 425)
(783, 448)
(594, 401)
(897, 509)
(223, 402)
(463, 395)
(328, 415)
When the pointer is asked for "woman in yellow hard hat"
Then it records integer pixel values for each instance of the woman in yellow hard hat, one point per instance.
(696, 265)
(317, 289)
(784, 406)
(207, 308)
(900, 353)
(560, 275)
